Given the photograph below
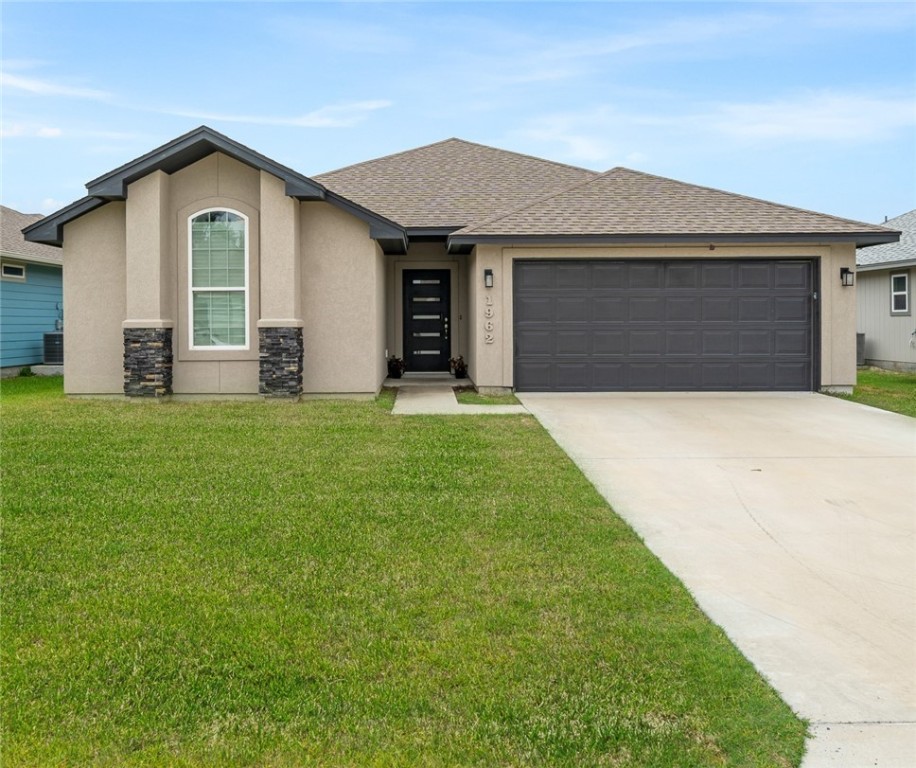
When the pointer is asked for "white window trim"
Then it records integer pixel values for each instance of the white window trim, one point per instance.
(15, 278)
(905, 293)
(192, 290)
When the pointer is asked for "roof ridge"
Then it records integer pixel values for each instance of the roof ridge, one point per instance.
(384, 157)
(544, 199)
(446, 141)
(749, 197)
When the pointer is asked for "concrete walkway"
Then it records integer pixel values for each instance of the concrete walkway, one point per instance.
(438, 399)
(791, 518)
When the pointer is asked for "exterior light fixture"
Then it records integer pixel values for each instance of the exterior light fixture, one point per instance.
(847, 277)
(488, 278)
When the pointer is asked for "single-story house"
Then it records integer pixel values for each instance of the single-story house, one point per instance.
(204, 267)
(885, 298)
(31, 293)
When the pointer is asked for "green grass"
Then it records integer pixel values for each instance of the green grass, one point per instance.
(888, 390)
(471, 397)
(266, 584)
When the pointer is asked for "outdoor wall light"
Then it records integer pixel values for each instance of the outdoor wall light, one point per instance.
(847, 277)
(488, 278)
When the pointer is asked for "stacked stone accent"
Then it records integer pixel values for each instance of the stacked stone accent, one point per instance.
(281, 362)
(147, 362)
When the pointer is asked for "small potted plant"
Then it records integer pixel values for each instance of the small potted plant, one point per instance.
(459, 367)
(396, 367)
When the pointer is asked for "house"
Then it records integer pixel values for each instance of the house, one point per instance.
(884, 298)
(204, 267)
(31, 293)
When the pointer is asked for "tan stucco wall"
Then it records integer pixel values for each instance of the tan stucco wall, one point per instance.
(889, 340)
(427, 256)
(94, 295)
(217, 181)
(492, 363)
(150, 267)
(342, 288)
(281, 273)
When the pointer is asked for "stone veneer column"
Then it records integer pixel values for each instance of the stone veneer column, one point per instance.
(280, 356)
(147, 362)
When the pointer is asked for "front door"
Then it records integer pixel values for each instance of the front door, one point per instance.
(427, 296)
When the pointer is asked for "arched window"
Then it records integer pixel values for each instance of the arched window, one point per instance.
(218, 279)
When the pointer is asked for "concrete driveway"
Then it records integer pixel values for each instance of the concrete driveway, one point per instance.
(791, 518)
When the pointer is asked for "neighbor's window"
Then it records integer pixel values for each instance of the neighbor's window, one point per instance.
(900, 293)
(13, 271)
(218, 267)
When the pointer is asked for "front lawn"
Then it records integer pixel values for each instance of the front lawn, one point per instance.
(262, 584)
(888, 390)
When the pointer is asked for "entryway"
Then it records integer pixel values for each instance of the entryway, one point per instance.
(427, 316)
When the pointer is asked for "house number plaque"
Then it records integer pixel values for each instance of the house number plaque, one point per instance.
(489, 325)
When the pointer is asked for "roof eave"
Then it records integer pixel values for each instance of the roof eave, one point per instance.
(50, 229)
(891, 265)
(190, 148)
(787, 238)
(391, 236)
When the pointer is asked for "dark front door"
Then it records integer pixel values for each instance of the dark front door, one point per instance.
(427, 295)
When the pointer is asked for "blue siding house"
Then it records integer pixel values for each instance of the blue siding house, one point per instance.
(31, 293)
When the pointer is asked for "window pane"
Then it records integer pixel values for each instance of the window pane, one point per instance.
(218, 250)
(899, 302)
(898, 283)
(219, 319)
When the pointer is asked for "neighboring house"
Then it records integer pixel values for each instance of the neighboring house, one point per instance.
(885, 298)
(31, 292)
(206, 268)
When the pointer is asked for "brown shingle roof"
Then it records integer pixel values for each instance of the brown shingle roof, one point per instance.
(12, 242)
(625, 202)
(452, 183)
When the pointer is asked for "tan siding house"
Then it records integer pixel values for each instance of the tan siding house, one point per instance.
(204, 268)
(885, 298)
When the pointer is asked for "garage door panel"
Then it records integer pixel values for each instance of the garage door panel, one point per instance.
(718, 310)
(645, 276)
(572, 309)
(572, 377)
(720, 342)
(535, 309)
(682, 343)
(682, 309)
(792, 342)
(717, 275)
(683, 377)
(754, 275)
(793, 275)
(609, 275)
(533, 343)
(754, 342)
(646, 342)
(663, 325)
(790, 309)
(682, 276)
(754, 309)
(608, 342)
(646, 308)
(790, 377)
(609, 309)
(573, 343)
(573, 276)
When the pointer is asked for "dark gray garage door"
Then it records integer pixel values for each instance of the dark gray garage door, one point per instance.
(678, 325)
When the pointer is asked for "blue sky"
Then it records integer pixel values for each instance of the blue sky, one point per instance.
(808, 104)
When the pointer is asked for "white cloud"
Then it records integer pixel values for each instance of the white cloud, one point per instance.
(26, 130)
(332, 116)
(49, 205)
(823, 116)
(47, 88)
(605, 134)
